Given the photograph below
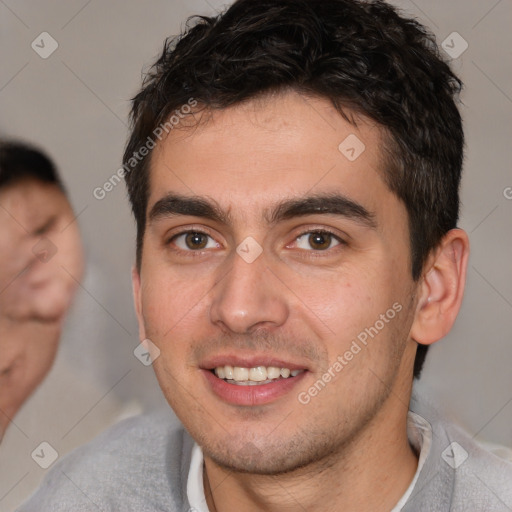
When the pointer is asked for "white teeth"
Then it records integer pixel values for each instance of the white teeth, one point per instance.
(255, 375)
(258, 374)
(228, 371)
(249, 382)
(273, 372)
(240, 374)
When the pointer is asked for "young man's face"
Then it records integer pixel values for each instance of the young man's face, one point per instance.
(295, 247)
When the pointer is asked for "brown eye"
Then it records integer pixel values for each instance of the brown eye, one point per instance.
(193, 241)
(317, 241)
(196, 241)
(320, 241)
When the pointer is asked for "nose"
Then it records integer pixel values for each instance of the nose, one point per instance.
(248, 297)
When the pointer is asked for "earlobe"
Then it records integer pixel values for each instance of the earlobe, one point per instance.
(137, 300)
(441, 288)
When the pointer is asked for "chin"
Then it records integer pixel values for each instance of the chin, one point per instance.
(255, 464)
(51, 310)
(271, 460)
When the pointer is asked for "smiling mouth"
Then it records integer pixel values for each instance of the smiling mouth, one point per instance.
(255, 376)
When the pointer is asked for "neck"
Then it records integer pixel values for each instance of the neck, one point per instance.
(370, 473)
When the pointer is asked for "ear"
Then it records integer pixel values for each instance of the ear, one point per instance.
(441, 288)
(137, 299)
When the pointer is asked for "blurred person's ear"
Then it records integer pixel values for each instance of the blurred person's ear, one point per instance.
(441, 289)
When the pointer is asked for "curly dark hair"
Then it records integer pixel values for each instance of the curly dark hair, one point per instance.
(361, 55)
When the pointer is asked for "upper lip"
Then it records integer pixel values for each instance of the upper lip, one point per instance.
(250, 361)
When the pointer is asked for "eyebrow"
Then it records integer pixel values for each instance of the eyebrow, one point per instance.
(326, 204)
(173, 205)
(330, 204)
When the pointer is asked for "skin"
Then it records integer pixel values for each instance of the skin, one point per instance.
(36, 287)
(347, 449)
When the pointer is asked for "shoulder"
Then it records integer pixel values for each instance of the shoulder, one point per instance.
(459, 473)
(139, 463)
(482, 479)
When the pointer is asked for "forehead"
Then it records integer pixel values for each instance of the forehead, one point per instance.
(29, 189)
(271, 149)
(29, 199)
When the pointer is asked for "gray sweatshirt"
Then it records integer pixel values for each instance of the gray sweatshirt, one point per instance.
(142, 465)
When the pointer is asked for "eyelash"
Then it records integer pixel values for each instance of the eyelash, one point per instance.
(322, 231)
(189, 253)
(310, 231)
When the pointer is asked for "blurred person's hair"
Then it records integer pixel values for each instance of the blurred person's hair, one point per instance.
(21, 161)
(360, 55)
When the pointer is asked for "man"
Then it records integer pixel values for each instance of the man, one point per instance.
(293, 169)
(40, 264)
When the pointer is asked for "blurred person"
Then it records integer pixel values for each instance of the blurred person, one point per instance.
(41, 262)
(293, 168)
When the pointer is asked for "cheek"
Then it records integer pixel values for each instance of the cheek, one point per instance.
(173, 303)
(339, 302)
(356, 305)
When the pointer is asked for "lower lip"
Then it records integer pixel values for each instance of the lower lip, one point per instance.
(251, 395)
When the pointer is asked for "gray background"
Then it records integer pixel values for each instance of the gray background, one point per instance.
(75, 104)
